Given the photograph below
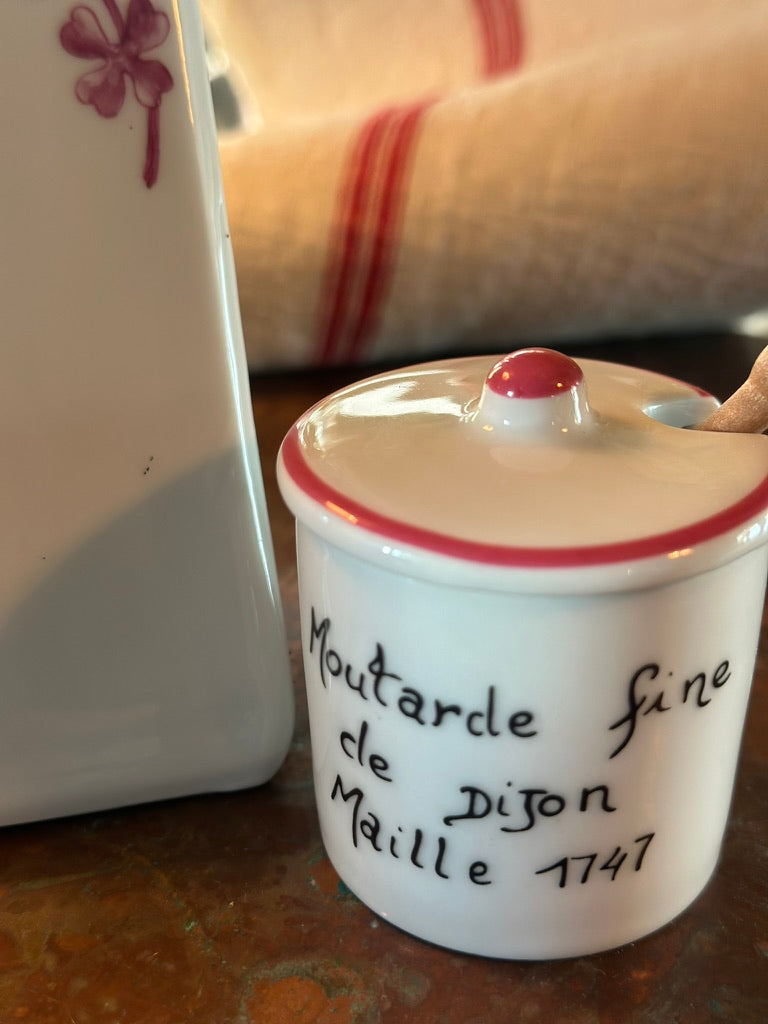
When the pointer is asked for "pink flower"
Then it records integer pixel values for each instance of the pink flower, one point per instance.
(143, 28)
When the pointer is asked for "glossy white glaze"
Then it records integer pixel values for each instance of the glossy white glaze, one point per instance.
(525, 760)
(504, 480)
(568, 661)
(143, 652)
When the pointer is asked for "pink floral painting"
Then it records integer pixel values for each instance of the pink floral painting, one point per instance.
(119, 45)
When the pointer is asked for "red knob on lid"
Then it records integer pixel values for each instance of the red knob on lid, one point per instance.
(534, 373)
(536, 392)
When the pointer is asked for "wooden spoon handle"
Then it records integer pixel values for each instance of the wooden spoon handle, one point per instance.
(746, 411)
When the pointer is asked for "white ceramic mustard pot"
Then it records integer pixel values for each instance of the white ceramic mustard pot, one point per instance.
(530, 607)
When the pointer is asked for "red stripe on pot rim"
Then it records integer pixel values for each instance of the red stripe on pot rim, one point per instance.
(671, 544)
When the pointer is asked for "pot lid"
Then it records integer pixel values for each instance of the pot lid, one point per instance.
(534, 460)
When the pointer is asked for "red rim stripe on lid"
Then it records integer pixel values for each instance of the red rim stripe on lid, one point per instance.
(668, 543)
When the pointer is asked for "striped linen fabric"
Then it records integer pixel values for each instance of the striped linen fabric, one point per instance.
(421, 177)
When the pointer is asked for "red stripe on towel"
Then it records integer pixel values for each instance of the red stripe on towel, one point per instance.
(501, 34)
(366, 228)
(367, 223)
(392, 198)
(343, 254)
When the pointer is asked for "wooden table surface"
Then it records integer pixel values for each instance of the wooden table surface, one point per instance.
(223, 909)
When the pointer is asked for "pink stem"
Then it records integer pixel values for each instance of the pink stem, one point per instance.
(116, 16)
(152, 161)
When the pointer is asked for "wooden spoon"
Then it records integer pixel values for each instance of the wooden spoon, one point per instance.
(746, 411)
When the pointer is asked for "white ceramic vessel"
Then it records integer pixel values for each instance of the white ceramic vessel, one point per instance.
(142, 652)
(530, 607)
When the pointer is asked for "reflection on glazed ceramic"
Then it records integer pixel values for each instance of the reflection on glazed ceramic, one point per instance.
(529, 631)
(142, 648)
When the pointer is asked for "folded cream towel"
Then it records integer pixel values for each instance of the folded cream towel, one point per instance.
(473, 174)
